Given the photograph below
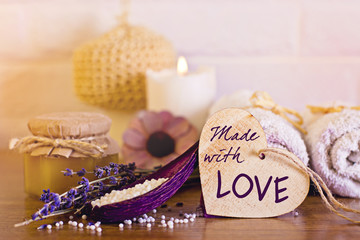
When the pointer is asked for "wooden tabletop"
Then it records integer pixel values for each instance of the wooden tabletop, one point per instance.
(313, 222)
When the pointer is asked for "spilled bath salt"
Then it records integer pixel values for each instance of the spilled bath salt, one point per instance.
(122, 195)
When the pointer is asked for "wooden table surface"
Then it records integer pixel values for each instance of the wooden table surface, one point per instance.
(313, 222)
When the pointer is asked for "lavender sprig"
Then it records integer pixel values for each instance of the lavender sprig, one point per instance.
(113, 176)
(70, 172)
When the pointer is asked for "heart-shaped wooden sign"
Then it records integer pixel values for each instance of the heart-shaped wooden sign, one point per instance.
(240, 175)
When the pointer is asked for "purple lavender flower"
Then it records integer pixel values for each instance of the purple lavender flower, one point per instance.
(85, 183)
(72, 193)
(131, 166)
(45, 210)
(52, 208)
(42, 227)
(84, 196)
(113, 180)
(123, 182)
(113, 176)
(45, 197)
(55, 198)
(100, 186)
(67, 203)
(107, 170)
(68, 172)
(81, 173)
(115, 171)
(99, 172)
(113, 165)
(35, 215)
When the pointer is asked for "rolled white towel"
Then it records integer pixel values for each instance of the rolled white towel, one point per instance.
(279, 132)
(333, 142)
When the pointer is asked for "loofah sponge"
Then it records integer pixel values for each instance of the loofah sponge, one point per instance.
(110, 71)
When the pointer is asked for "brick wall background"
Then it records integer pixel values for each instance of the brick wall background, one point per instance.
(300, 51)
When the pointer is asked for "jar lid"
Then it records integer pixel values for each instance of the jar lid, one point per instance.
(70, 125)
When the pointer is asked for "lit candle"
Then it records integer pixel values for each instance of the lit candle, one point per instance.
(182, 93)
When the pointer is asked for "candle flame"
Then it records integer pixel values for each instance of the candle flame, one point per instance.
(182, 67)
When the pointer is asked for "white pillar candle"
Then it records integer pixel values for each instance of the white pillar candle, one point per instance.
(184, 94)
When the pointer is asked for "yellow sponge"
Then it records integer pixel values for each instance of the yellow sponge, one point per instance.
(110, 71)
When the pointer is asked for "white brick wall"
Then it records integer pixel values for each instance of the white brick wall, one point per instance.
(224, 28)
(295, 82)
(301, 51)
(330, 28)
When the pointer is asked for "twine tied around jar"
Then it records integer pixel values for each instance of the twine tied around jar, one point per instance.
(30, 143)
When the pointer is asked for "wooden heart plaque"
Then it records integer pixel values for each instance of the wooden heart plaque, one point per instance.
(240, 175)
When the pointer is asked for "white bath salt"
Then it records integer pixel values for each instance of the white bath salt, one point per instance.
(122, 195)
(80, 225)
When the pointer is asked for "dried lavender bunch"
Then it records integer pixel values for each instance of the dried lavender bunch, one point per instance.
(113, 176)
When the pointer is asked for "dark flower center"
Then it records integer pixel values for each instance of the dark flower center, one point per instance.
(160, 144)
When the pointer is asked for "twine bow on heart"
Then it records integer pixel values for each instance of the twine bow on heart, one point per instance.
(263, 100)
(326, 110)
(30, 143)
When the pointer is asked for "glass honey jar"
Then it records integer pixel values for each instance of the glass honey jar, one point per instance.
(73, 140)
